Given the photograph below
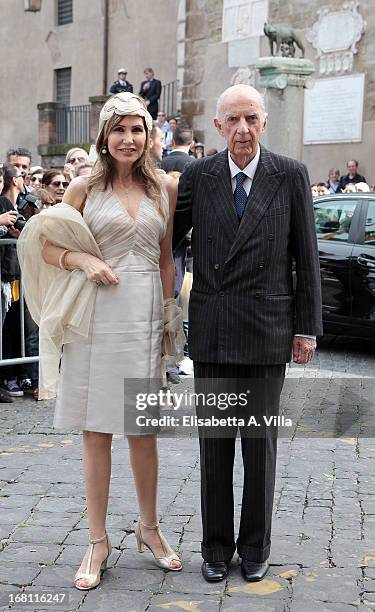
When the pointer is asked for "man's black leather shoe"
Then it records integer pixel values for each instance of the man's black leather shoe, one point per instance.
(253, 572)
(214, 571)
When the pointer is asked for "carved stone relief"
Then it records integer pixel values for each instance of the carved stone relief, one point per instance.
(245, 76)
(335, 36)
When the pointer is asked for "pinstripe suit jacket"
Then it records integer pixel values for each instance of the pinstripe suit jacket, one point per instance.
(243, 307)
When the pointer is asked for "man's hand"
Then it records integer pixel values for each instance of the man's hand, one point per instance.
(69, 172)
(13, 232)
(303, 349)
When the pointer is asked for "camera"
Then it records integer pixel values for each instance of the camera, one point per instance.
(28, 200)
(20, 222)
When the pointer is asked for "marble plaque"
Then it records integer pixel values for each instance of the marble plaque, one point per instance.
(243, 52)
(333, 110)
(243, 18)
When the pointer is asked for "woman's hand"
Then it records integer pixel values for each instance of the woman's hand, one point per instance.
(96, 270)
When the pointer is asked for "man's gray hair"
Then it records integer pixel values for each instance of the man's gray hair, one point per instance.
(19, 151)
(240, 87)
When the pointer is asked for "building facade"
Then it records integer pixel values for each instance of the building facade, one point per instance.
(70, 50)
(57, 53)
(224, 39)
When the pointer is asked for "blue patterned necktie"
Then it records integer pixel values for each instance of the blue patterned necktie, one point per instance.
(240, 195)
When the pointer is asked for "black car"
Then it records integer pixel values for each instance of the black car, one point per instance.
(345, 227)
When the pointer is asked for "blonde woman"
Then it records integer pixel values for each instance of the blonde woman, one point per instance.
(128, 207)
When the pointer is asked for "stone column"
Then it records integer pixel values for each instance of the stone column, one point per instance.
(47, 122)
(97, 102)
(284, 79)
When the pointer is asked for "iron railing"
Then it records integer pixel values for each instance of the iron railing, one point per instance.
(72, 125)
(22, 358)
(168, 99)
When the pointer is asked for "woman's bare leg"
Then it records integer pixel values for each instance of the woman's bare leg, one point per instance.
(97, 473)
(144, 461)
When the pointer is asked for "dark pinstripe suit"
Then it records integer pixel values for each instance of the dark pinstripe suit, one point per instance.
(243, 315)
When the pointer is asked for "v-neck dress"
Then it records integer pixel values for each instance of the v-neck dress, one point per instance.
(124, 344)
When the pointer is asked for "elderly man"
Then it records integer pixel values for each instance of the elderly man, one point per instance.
(251, 213)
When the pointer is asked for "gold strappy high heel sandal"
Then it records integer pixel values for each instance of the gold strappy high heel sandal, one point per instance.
(170, 554)
(93, 579)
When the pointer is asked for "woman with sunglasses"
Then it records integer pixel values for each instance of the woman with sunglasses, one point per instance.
(55, 183)
(35, 177)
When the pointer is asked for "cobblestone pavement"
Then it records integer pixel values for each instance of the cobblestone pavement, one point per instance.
(323, 547)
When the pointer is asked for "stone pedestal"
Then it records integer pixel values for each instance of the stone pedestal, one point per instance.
(284, 79)
(97, 103)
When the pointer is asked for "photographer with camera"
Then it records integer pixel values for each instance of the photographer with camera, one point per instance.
(14, 377)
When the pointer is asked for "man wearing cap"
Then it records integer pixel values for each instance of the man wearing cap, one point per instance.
(121, 84)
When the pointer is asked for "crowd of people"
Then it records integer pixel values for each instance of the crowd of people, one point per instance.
(352, 182)
(25, 191)
(28, 189)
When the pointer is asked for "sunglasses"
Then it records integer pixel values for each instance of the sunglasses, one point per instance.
(74, 159)
(34, 178)
(58, 183)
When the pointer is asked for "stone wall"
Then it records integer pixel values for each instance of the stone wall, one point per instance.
(140, 34)
(210, 68)
(205, 67)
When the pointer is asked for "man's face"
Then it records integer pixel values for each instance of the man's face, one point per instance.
(242, 120)
(161, 118)
(352, 167)
(122, 76)
(21, 162)
(149, 74)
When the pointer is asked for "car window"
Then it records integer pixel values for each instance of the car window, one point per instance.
(333, 219)
(370, 224)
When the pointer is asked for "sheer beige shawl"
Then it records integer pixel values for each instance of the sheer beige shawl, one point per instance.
(60, 302)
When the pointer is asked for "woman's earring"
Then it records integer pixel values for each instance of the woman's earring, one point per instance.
(104, 150)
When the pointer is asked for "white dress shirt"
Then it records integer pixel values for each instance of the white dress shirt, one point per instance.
(249, 170)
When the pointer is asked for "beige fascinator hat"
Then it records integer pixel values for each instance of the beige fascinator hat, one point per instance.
(125, 103)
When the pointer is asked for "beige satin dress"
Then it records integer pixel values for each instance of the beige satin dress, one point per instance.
(124, 344)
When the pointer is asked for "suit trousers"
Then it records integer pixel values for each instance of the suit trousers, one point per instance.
(262, 386)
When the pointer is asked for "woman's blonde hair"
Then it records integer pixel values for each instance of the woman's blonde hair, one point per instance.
(103, 172)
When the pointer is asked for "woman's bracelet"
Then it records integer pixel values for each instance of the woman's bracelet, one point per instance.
(62, 260)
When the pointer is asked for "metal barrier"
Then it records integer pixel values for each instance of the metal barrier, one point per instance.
(22, 359)
(72, 125)
(168, 98)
